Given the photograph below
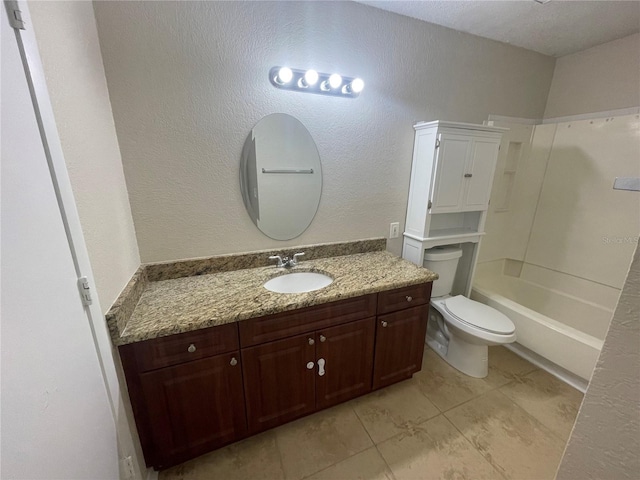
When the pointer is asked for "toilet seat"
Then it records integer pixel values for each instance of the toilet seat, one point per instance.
(479, 315)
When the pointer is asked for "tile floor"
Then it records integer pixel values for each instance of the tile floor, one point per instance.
(513, 424)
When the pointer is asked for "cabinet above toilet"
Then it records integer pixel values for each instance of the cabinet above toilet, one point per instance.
(451, 178)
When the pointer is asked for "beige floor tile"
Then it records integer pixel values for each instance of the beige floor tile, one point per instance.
(512, 440)
(505, 366)
(433, 450)
(393, 409)
(367, 465)
(256, 458)
(445, 386)
(316, 442)
(551, 401)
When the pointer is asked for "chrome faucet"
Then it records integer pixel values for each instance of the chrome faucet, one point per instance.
(286, 262)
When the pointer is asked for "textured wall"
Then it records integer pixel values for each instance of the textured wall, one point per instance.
(70, 52)
(602, 78)
(188, 80)
(605, 443)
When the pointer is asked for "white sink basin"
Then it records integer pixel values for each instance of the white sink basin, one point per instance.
(298, 282)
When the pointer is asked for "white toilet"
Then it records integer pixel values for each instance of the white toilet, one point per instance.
(460, 330)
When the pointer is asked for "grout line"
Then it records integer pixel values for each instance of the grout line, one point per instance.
(385, 461)
(497, 468)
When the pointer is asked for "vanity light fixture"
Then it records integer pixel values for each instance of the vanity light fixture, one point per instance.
(283, 76)
(311, 81)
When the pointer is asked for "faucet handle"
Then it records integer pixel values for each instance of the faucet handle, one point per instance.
(295, 257)
(278, 258)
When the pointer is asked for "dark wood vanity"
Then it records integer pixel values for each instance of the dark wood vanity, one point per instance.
(194, 392)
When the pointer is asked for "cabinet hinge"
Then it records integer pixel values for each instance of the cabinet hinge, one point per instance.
(429, 205)
(437, 143)
(85, 291)
(15, 15)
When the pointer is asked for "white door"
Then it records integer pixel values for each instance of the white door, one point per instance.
(479, 173)
(448, 190)
(56, 418)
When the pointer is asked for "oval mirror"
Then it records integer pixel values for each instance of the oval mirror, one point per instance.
(280, 176)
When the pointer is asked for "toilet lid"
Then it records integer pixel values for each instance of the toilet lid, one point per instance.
(479, 315)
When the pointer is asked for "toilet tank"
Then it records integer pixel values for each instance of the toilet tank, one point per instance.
(443, 261)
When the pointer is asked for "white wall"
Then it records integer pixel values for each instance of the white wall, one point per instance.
(605, 442)
(70, 52)
(602, 78)
(188, 81)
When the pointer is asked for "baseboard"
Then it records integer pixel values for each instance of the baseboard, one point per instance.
(560, 373)
(152, 474)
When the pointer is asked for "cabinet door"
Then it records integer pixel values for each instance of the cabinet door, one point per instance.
(344, 362)
(279, 385)
(449, 185)
(194, 407)
(399, 345)
(484, 154)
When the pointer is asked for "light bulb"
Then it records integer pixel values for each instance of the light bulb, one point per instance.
(284, 75)
(335, 81)
(357, 84)
(311, 77)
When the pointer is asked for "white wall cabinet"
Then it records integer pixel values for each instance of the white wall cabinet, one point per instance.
(451, 179)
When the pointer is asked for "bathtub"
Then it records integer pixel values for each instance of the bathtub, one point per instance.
(564, 329)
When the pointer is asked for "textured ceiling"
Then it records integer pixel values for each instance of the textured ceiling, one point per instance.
(556, 28)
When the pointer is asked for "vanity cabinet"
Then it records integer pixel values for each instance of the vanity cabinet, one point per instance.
(197, 391)
(186, 392)
(404, 316)
(195, 407)
(328, 364)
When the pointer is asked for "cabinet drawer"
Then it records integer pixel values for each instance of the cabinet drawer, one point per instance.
(184, 347)
(287, 324)
(402, 298)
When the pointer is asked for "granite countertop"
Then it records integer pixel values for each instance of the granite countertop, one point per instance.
(179, 305)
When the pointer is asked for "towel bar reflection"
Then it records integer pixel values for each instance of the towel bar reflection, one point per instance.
(264, 170)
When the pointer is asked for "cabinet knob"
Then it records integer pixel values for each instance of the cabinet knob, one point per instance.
(192, 348)
(310, 366)
(233, 362)
(321, 363)
(468, 175)
(323, 338)
(311, 341)
(409, 298)
(384, 324)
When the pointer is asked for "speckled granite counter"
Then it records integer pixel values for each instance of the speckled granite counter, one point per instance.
(177, 305)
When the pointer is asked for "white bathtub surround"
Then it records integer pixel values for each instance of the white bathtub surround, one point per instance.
(555, 259)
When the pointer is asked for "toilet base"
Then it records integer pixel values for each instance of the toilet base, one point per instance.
(470, 359)
(461, 351)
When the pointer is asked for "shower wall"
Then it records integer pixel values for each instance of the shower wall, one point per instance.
(560, 220)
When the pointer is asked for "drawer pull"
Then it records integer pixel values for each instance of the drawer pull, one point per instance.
(321, 363)
(323, 338)
(233, 362)
(384, 324)
(310, 366)
(311, 341)
(192, 348)
(409, 298)
(468, 175)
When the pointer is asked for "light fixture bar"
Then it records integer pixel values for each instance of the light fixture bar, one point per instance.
(311, 81)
